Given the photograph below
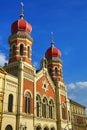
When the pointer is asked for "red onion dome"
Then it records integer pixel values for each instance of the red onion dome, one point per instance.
(53, 52)
(22, 26)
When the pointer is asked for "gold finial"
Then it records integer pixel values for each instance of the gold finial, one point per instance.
(52, 39)
(22, 10)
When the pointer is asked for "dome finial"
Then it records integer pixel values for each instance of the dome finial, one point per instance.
(52, 39)
(22, 10)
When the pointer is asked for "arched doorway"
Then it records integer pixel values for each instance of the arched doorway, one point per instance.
(46, 128)
(38, 128)
(8, 127)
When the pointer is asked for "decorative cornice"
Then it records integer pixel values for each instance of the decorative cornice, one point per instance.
(12, 81)
(15, 36)
(55, 61)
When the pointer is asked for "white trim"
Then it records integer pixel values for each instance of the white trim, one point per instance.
(27, 90)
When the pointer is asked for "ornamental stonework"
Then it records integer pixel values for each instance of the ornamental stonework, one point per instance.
(27, 70)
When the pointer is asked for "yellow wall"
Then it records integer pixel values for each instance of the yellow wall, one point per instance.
(2, 84)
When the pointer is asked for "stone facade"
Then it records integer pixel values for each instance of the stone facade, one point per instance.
(2, 86)
(78, 116)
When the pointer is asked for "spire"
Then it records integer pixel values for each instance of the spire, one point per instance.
(22, 10)
(52, 39)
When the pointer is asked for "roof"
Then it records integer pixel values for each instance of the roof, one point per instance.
(74, 102)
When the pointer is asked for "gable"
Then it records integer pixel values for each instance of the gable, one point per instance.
(44, 84)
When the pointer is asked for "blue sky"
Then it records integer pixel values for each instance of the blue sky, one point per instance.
(67, 19)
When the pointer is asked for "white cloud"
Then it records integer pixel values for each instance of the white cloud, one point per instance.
(77, 92)
(2, 59)
(71, 86)
(81, 85)
(71, 96)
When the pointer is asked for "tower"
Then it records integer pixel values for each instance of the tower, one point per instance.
(54, 63)
(20, 66)
(54, 66)
(20, 43)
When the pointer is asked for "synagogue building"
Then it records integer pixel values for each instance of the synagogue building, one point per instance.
(33, 99)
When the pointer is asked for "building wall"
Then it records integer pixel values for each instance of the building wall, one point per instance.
(2, 85)
(39, 84)
(86, 122)
(78, 116)
(10, 88)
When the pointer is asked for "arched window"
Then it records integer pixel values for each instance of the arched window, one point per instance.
(56, 72)
(10, 103)
(69, 115)
(44, 107)
(21, 49)
(61, 72)
(51, 109)
(64, 112)
(27, 102)
(13, 50)
(50, 71)
(28, 52)
(8, 127)
(38, 105)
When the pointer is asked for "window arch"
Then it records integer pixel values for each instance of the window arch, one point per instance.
(38, 105)
(13, 50)
(21, 49)
(61, 72)
(10, 103)
(28, 52)
(56, 71)
(8, 127)
(69, 115)
(44, 107)
(64, 112)
(51, 105)
(27, 102)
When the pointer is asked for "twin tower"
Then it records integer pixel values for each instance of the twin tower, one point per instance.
(38, 100)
